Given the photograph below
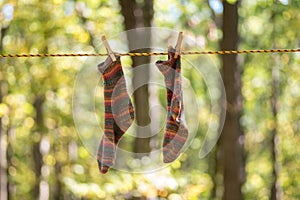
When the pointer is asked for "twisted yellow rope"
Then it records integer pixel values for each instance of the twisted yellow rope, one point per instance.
(151, 53)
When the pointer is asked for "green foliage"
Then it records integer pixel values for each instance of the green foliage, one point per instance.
(76, 26)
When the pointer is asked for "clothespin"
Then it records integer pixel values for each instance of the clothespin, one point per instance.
(178, 45)
(108, 49)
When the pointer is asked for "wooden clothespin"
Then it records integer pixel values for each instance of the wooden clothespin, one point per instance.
(108, 49)
(178, 45)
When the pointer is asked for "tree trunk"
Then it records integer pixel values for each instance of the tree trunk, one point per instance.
(275, 189)
(3, 155)
(57, 192)
(37, 155)
(274, 139)
(231, 140)
(135, 16)
(4, 184)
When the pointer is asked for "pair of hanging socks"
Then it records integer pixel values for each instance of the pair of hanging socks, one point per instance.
(119, 112)
(176, 132)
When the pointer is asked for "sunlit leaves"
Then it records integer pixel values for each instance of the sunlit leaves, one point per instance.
(61, 26)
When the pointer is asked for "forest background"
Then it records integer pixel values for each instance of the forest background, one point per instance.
(42, 156)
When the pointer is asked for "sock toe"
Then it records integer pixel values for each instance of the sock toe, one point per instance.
(102, 168)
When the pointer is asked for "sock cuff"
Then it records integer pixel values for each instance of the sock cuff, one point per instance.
(106, 66)
(171, 64)
(111, 70)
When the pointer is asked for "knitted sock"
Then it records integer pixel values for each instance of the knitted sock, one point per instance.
(119, 113)
(176, 132)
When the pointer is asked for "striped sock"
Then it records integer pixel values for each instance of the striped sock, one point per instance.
(119, 113)
(176, 132)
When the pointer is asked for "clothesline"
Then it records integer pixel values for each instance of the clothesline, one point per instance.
(141, 54)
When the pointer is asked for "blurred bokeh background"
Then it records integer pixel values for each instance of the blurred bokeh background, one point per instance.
(257, 157)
